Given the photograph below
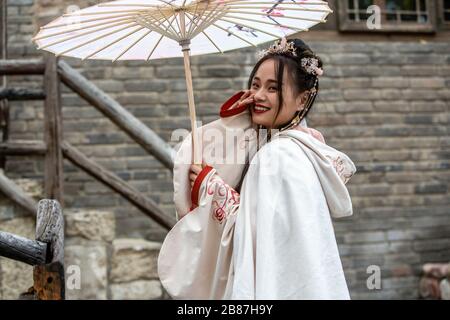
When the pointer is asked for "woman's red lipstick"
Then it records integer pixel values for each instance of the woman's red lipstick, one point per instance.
(260, 111)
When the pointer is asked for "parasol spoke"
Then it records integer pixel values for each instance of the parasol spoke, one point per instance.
(194, 13)
(85, 21)
(200, 19)
(112, 43)
(251, 27)
(157, 43)
(232, 33)
(156, 25)
(269, 23)
(128, 5)
(207, 36)
(82, 34)
(154, 48)
(170, 24)
(77, 14)
(273, 3)
(211, 17)
(95, 39)
(205, 20)
(131, 45)
(80, 28)
(283, 8)
(275, 16)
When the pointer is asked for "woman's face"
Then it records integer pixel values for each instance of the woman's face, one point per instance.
(264, 89)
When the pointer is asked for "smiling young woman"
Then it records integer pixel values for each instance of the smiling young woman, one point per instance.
(262, 230)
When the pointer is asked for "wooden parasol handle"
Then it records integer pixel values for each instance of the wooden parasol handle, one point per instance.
(196, 148)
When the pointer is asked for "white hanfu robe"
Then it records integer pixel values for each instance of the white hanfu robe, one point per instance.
(274, 240)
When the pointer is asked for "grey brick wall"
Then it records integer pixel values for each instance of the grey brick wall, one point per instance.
(385, 104)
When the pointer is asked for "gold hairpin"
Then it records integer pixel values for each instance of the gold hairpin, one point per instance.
(279, 47)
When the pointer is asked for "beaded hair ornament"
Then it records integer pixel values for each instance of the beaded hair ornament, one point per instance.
(309, 64)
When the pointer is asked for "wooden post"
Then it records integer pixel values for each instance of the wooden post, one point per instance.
(53, 177)
(49, 281)
(4, 127)
(4, 107)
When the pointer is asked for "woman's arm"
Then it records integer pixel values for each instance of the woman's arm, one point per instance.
(207, 184)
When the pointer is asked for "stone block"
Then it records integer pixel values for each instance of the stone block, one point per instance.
(90, 224)
(134, 259)
(137, 290)
(92, 264)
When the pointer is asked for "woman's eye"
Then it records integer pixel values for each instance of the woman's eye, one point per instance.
(254, 85)
(273, 88)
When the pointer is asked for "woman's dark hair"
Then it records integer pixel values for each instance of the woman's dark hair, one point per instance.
(301, 79)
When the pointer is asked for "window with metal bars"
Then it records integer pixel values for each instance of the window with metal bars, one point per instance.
(445, 5)
(394, 15)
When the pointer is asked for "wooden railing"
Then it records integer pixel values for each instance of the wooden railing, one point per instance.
(54, 148)
(45, 253)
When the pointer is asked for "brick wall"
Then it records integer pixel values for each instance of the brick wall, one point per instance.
(384, 103)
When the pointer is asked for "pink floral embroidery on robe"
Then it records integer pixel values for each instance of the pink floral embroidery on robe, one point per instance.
(225, 197)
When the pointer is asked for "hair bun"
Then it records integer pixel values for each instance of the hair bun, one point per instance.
(304, 51)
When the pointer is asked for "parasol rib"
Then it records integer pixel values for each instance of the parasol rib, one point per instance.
(251, 27)
(78, 29)
(207, 36)
(95, 39)
(82, 34)
(269, 23)
(232, 33)
(132, 45)
(85, 21)
(114, 42)
(275, 16)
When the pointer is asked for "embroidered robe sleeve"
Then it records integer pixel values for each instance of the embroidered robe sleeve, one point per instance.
(196, 256)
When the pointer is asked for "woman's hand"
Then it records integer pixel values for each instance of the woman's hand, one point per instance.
(194, 172)
(246, 98)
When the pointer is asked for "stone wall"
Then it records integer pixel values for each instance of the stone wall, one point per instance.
(384, 103)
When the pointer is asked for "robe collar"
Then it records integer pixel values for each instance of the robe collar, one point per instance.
(226, 111)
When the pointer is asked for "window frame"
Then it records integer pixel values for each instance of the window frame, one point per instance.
(444, 23)
(347, 25)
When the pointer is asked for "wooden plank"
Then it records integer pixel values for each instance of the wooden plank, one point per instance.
(24, 147)
(21, 94)
(53, 168)
(22, 249)
(108, 178)
(137, 130)
(16, 67)
(48, 279)
(11, 190)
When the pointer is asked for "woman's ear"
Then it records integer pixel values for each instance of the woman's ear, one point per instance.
(301, 100)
